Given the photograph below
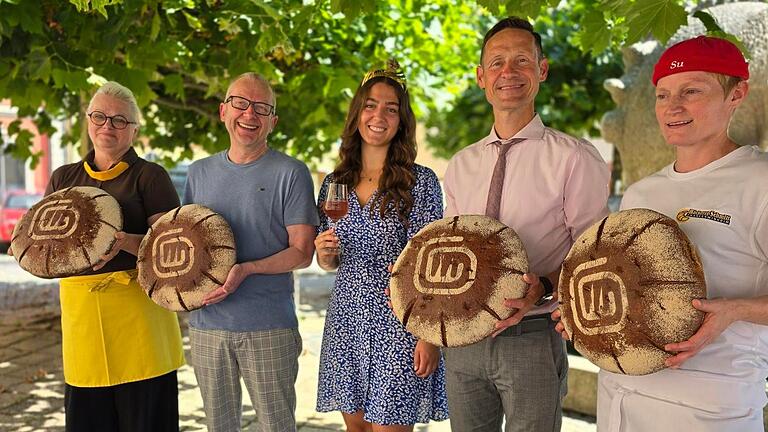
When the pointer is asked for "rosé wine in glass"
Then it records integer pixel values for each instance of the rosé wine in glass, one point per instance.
(336, 204)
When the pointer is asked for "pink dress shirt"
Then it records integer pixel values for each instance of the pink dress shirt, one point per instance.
(555, 187)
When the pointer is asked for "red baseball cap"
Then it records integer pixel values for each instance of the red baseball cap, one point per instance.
(704, 53)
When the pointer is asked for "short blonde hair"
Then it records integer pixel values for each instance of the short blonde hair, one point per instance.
(727, 82)
(121, 92)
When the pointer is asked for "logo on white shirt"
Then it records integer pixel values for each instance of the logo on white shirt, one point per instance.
(686, 214)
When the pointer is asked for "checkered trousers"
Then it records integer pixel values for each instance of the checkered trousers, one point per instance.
(268, 363)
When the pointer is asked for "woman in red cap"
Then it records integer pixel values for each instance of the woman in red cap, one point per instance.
(717, 191)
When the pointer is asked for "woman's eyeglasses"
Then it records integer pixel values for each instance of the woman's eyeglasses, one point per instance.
(117, 121)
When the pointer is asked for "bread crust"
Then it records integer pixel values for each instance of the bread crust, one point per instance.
(626, 289)
(449, 284)
(67, 232)
(186, 254)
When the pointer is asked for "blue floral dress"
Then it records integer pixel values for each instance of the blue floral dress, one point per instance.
(366, 359)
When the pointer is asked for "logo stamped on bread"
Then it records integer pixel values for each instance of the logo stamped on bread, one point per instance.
(54, 220)
(172, 254)
(445, 266)
(598, 299)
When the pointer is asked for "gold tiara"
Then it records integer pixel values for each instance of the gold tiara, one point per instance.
(392, 72)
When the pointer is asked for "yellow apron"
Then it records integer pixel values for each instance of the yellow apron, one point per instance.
(112, 333)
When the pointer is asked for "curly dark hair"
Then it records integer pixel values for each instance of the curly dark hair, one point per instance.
(397, 178)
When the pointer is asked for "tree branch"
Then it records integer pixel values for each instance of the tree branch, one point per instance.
(188, 80)
(195, 86)
(181, 106)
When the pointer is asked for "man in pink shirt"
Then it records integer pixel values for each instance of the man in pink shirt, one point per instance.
(548, 187)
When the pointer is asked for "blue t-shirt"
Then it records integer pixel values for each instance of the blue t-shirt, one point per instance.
(259, 200)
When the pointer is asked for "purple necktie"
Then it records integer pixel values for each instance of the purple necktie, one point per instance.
(493, 205)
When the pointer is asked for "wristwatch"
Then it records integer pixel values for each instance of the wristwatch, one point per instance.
(548, 290)
(548, 287)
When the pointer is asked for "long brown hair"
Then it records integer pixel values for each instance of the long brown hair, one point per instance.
(397, 178)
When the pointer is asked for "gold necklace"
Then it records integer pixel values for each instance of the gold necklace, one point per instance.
(371, 177)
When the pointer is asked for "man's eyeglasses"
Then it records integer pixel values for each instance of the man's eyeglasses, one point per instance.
(241, 103)
(118, 122)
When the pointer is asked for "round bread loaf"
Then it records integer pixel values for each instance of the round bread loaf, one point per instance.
(187, 253)
(67, 232)
(626, 290)
(449, 284)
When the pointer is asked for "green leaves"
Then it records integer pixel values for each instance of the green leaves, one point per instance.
(603, 24)
(20, 146)
(82, 5)
(174, 85)
(179, 56)
(661, 18)
(524, 8)
(714, 30)
(708, 20)
(155, 27)
(492, 5)
(193, 21)
(352, 8)
(38, 65)
(27, 15)
(75, 81)
(272, 12)
(99, 6)
(594, 36)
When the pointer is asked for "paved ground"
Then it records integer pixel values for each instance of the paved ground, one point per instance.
(31, 384)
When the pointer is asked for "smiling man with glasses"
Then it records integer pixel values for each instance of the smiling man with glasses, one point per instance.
(249, 328)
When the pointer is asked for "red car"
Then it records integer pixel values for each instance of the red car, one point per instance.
(12, 208)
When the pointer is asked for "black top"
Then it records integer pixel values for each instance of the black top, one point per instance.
(143, 190)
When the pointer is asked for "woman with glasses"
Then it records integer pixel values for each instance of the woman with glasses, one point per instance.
(120, 349)
(371, 369)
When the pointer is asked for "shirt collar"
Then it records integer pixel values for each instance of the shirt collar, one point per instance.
(534, 130)
(112, 172)
(129, 157)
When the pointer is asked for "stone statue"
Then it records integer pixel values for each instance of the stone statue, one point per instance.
(632, 125)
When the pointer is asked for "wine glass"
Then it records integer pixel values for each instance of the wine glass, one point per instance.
(336, 204)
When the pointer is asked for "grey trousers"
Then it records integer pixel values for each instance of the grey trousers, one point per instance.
(268, 363)
(519, 379)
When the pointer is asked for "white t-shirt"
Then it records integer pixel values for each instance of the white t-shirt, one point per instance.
(722, 209)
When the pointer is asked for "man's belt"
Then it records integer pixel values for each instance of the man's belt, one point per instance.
(529, 324)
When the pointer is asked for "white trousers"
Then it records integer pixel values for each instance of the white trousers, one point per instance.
(678, 401)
